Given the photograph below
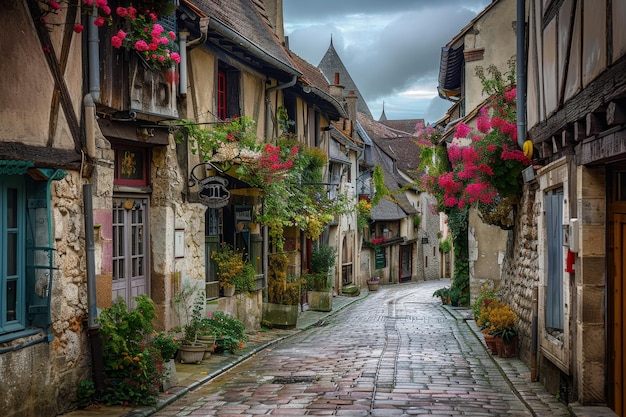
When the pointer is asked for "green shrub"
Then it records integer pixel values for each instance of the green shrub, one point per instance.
(230, 333)
(133, 364)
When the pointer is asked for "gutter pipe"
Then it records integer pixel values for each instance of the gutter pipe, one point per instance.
(521, 72)
(93, 55)
(97, 362)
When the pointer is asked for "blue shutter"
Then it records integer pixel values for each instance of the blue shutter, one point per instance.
(554, 261)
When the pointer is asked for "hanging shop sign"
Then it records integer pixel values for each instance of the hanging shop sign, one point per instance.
(213, 192)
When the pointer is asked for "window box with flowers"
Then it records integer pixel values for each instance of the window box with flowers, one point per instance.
(140, 32)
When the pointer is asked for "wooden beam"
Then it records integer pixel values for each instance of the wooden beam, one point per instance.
(611, 84)
(615, 114)
(42, 157)
(594, 124)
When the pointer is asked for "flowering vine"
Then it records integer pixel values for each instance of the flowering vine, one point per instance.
(486, 172)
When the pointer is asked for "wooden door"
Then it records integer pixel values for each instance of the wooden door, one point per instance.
(130, 255)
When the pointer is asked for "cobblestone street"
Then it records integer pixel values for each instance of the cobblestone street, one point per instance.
(396, 352)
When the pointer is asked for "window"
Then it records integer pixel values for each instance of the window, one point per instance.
(131, 166)
(26, 258)
(228, 81)
(12, 250)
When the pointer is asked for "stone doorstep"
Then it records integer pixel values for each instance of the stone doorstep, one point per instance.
(590, 411)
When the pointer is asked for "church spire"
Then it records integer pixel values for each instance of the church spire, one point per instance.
(383, 117)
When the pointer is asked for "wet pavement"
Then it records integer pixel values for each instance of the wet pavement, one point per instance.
(393, 352)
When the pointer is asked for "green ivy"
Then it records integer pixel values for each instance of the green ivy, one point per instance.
(458, 222)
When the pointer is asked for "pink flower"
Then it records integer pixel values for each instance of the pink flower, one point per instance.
(78, 28)
(106, 10)
(171, 35)
(156, 30)
(116, 42)
(121, 11)
(54, 5)
(88, 2)
(510, 95)
(153, 17)
(132, 12)
(483, 124)
(462, 130)
(101, 3)
(141, 45)
(175, 57)
(121, 34)
(99, 21)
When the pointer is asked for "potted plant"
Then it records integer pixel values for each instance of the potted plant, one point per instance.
(455, 294)
(246, 280)
(443, 294)
(503, 326)
(190, 303)
(485, 306)
(283, 293)
(133, 357)
(229, 266)
(320, 296)
(372, 283)
(229, 332)
(168, 346)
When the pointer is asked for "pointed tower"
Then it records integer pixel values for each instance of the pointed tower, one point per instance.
(331, 65)
(383, 116)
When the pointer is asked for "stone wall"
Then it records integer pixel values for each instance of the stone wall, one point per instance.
(520, 269)
(40, 376)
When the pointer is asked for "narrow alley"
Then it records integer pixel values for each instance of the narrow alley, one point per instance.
(398, 351)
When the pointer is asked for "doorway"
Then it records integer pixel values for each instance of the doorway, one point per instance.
(130, 254)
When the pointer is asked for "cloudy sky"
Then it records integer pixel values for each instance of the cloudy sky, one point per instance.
(391, 48)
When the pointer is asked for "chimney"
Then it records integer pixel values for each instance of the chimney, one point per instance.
(351, 101)
(274, 10)
(336, 89)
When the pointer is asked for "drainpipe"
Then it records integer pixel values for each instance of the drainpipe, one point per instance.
(94, 55)
(521, 72)
(90, 125)
(534, 341)
(92, 310)
(183, 45)
(268, 105)
(182, 48)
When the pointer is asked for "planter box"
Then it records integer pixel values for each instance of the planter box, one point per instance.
(280, 315)
(320, 300)
(191, 353)
(258, 282)
(170, 377)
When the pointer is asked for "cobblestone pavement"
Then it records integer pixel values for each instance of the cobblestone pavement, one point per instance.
(397, 352)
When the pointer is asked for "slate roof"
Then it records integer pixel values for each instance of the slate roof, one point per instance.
(242, 28)
(332, 63)
(317, 85)
(404, 125)
(391, 150)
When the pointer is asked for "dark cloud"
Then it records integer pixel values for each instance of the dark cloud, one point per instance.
(388, 46)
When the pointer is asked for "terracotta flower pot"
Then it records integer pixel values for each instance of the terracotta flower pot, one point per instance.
(506, 350)
(492, 345)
